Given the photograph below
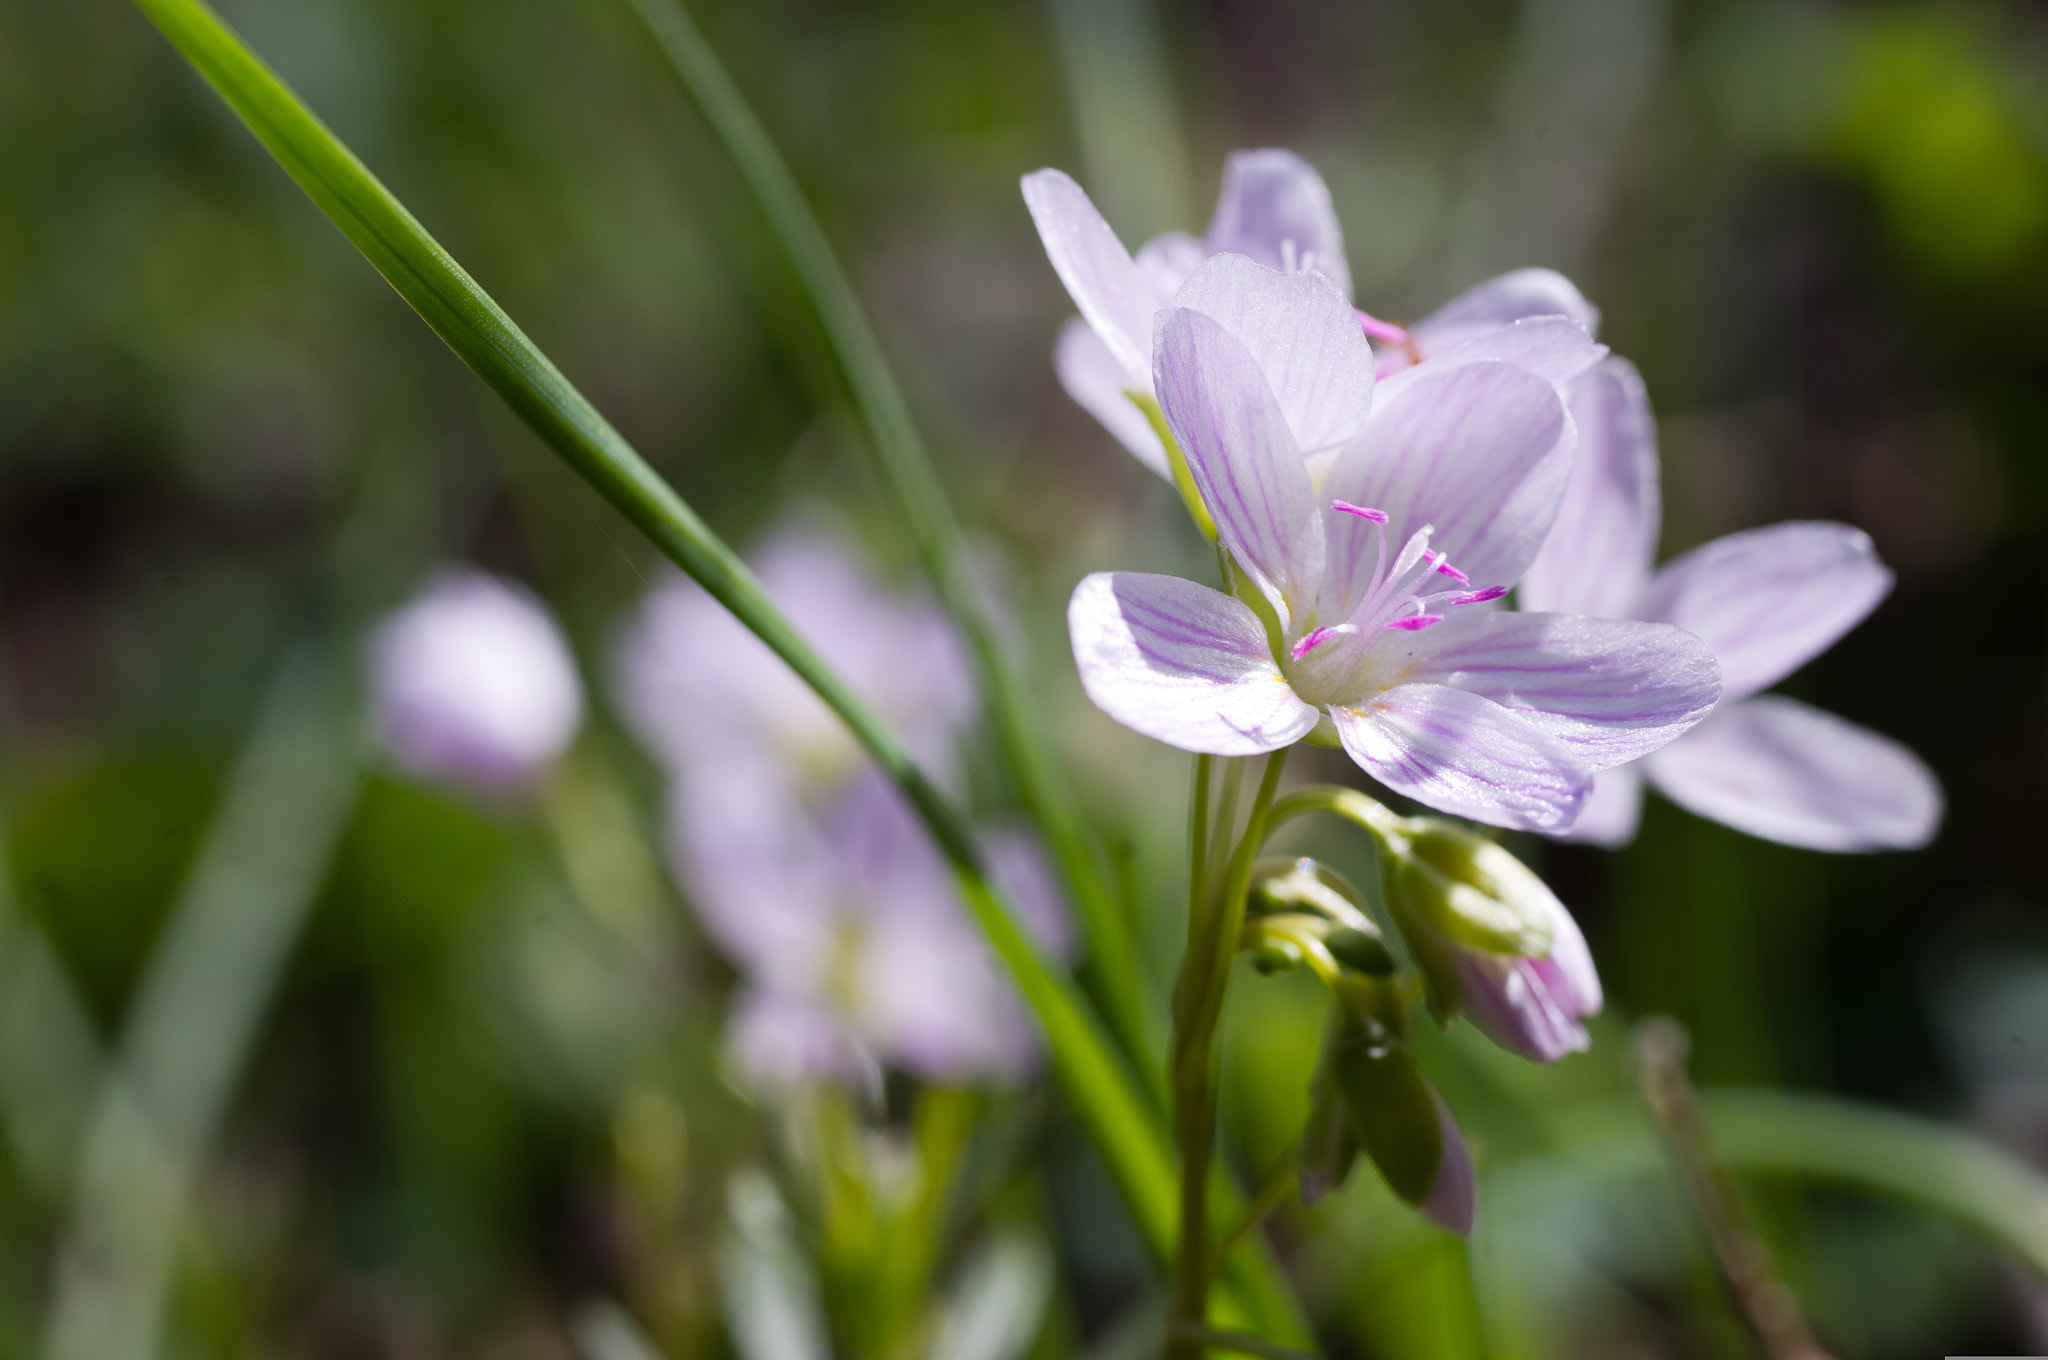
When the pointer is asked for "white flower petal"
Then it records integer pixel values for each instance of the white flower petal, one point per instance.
(1097, 270)
(1480, 451)
(1276, 209)
(1501, 300)
(1465, 755)
(1095, 380)
(1613, 812)
(1612, 690)
(1598, 557)
(1775, 768)
(1182, 664)
(1241, 455)
(1556, 348)
(1770, 600)
(1304, 336)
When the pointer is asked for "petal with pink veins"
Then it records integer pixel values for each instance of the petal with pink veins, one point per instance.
(1778, 769)
(1465, 755)
(1276, 209)
(1242, 456)
(1182, 664)
(1304, 336)
(1612, 690)
(1600, 552)
(1480, 451)
(1770, 600)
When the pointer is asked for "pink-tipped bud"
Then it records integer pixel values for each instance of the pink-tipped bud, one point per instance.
(1415, 623)
(1362, 511)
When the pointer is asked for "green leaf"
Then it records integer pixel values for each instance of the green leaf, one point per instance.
(1122, 1122)
(1111, 967)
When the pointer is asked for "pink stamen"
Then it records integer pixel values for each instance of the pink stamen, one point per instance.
(1444, 567)
(1415, 623)
(1480, 596)
(1309, 643)
(1362, 511)
(1380, 330)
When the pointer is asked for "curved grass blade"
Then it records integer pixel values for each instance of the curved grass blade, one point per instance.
(1110, 970)
(1118, 1117)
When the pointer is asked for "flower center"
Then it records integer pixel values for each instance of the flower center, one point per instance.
(1400, 596)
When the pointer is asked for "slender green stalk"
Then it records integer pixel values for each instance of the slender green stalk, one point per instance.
(1198, 835)
(1278, 1182)
(1111, 968)
(1213, 929)
(1118, 1116)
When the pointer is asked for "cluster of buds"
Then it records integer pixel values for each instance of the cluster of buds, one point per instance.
(1463, 926)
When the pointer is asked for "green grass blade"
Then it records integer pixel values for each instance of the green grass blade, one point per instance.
(1117, 1115)
(1110, 970)
(197, 1014)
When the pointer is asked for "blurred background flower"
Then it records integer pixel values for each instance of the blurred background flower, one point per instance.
(479, 1083)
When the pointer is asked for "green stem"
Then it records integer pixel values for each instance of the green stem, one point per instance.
(1278, 1182)
(1350, 804)
(1213, 930)
(1111, 968)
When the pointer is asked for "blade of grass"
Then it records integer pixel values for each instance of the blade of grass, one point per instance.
(192, 1023)
(1110, 970)
(1124, 1125)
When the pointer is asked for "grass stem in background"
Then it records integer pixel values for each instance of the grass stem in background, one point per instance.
(1752, 1277)
(1110, 970)
(1122, 1121)
(199, 1009)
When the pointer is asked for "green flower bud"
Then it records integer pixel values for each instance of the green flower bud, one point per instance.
(1388, 1105)
(1356, 949)
(1463, 885)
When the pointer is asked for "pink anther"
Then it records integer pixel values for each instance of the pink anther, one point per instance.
(1310, 642)
(1480, 596)
(1444, 567)
(1362, 511)
(1380, 330)
(1415, 623)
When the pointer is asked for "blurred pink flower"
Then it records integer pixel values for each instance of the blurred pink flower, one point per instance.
(1437, 492)
(473, 682)
(804, 864)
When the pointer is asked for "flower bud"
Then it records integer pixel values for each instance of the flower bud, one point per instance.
(1391, 1113)
(1492, 940)
(473, 682)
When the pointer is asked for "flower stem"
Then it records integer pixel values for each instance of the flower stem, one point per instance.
(1278, 1182)
(1746, 1265)
(1215, 919)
